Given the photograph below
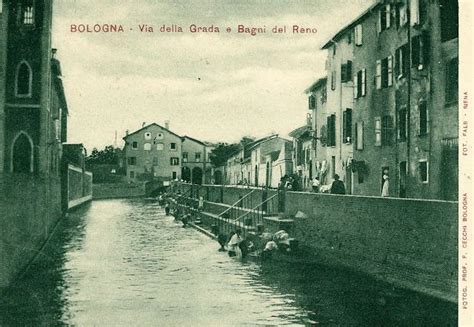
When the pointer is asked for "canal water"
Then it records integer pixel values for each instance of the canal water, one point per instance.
(124, 263)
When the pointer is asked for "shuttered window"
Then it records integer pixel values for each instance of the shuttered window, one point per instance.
(347, 126)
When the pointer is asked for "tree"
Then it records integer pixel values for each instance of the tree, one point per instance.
(224, 151)
(108, 156)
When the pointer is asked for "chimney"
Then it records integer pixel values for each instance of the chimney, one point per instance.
(167, 124)
(126, 132)
(53, 53)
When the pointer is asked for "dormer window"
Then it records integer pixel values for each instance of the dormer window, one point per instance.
(24, 77)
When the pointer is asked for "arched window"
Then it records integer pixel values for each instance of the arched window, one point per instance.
(24, 77)
(22, 154)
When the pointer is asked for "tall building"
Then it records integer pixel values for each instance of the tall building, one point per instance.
(399, 61)
(153, 152)
(33, 123)
(33, 111)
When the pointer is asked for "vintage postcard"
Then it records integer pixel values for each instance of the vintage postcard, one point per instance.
(236, 163)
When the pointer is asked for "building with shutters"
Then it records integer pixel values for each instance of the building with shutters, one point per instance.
(153, 152)
(340, 104)
(404, 106)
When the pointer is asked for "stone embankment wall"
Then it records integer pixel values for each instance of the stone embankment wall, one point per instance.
(79, 186)
(407, 242)
(30, 207)
(117, 190)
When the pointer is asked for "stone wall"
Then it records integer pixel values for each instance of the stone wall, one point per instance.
(30, 206)
(117, 190)
(412, 243)
(79, 186)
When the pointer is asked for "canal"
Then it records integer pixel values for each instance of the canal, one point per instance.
(124, 263)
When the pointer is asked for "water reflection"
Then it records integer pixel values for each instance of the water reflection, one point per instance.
(122, 262)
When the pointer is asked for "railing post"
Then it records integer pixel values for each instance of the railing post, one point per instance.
(264, 199)
(281, 200)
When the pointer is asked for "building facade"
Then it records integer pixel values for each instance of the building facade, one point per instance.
(391, 111)
(317, 100)
(196, 166)
(153, 153)
(405, 116)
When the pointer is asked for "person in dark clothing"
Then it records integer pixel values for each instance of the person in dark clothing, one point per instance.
(337, 186)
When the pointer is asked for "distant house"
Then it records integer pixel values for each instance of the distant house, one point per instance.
(270, 160)
(196, 166)
(303, 144)
(153, 153)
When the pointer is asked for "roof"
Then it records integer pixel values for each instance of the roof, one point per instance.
(354, 22)
(300, 131)
(145, 127)
(195, 140)
(316, 85)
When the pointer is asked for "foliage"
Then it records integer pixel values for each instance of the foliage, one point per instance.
(108, 156)
(220, 154)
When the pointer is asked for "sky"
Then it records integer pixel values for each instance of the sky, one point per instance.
(215, 87)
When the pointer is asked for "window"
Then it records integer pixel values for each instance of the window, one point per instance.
(378, 132)
(420, 50)
(24, 78)
(174, 161)
(331, 130)
(402, 15)
(28, 14)
(347, 126)
(384, 73)
(402, 124)
(451, 94)
(197, 156)
(346, 72)
(424, 122)
(174, 175)
(185, 157)
(360, 84)
(401, 61)
(449, 19)
(172, 146)
(160, 146)
(312, 102)
(360, 135)
(132, 174)
(423, 168)
(323, 135)
(132, 161)
(387, 127)
(155, 161)
(324, 94)
(147, 146)
(147, 136)
(159, 136)
(358, 35)
(22, 156)
(384, 18)
(134, 145)
(333, 80)
(415, 12)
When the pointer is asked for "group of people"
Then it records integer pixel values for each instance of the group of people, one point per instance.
(337, 186)
(237, 246)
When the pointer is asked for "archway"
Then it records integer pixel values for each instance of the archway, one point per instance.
(218, 177)
(186, 174)
(22, 154)
(197, 175)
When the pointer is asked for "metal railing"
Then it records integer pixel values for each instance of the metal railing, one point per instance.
(253, 218)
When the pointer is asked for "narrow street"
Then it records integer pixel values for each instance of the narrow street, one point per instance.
(124, 263)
